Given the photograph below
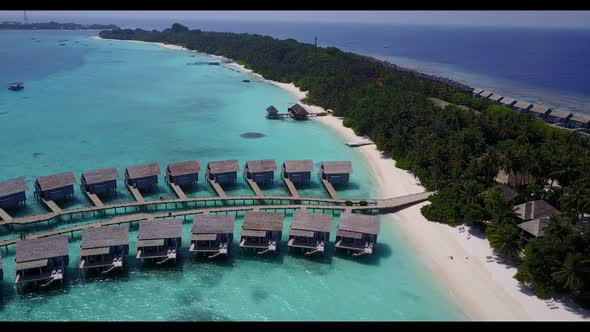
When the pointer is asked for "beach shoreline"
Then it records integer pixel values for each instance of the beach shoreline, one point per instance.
(482, 289)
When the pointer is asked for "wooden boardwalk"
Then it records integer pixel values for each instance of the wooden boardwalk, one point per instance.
(136, 194)
(51, 206)
(291, 187)
(217, 187)
(373, 206)
(94, 199)
(255, 188)
(330, 189)
(4, 215)
(177, 190)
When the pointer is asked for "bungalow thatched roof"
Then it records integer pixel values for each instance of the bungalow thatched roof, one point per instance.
(486, 94)
(535, 210)
(560, 114)
(581, 118)
(507, 101)
(337, 167)
(105, 236)
(298, 109)
(263, 221)
(359, 223)
(508, 193)
(159, 229)
(315, 222)
(477, 91)
(213, 224)
(535, 227)
(255, 166)
(41, 248)
(298, 165)
(522, 105)
(142, 171)
(13, 186)
(223, 166)
(541, 109)
(184, 168)
(495, 97)
(56, 181)
(100, 175)
(272, 110)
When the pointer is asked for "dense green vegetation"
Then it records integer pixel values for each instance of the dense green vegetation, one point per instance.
(456, 152)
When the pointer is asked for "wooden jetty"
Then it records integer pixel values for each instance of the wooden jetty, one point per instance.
(4, 215)
(177, 190)
(212, 234)
(1, 270)
(255, 188)
(100, 181)
(358, 144)
(104, 248)
(310, 232)
(41, 261)
(262, 231)
(330, 189)
(217, 187)
(55, 187)
(136, 194)
(51, 206)
(290, 187)
(357, 233)
(12, 194)
(159, 239)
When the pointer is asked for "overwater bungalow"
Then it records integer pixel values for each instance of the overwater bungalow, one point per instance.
(223, 172)
(357, 233)
(558, 117)
(514, 178)
(184, 173)
(100, 181)
(212, 234)
(262, 231)
(298, 171)
(579, 121)
(104, 248)
(476, 92)
(485, 94)
(540, 111)
(522, 106)
(41, 261)
(495, 98)
(55, 187)
(310, 232)
(507, 101)
(535, 210)
(533, 228)
(297, 112)
(159, 239)
(260, 171)
(1, 270)
(12, 193)
(143, 176)
(336, 172)
(272, 112)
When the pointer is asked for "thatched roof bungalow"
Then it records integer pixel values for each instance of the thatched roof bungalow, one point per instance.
(212, 234)
(357, 233)
(159, 239)
(310, 232)
(12, 193)
(42, 260)
(104, 248)
(100, 181)
(55, 187)
(184, 173)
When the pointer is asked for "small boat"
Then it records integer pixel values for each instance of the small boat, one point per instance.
(16, 86)
(246, 81)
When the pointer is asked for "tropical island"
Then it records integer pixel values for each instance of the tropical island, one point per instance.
(458, 150)
(54, 26)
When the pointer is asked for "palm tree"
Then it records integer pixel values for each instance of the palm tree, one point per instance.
(505, 239)
(573, 270)
(565, 172)
(576, 200)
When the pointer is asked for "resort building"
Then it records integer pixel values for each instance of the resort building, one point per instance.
(514, 178)
(212, 234)
(507, 101)
(495, 98)
(533, 228)
(297, 112)
(558, 117)
(12, 193)
(310, 232)
(272, 112)
(143, 176)
(522, 106)
(55, 187)
(336, 172)
(508, 194)
(183, 173)
(41, 261)
(540, 111)
(104, 248)
(357, 233)
(298, 171)
(579, 121)
(159, 239)
(260, 171)
(100, 181)
(223, 172)
(262, 231)
(535, 210)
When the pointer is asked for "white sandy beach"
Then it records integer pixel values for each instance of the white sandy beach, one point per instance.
(484, 289)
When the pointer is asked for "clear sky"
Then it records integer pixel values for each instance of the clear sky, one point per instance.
(573, 19)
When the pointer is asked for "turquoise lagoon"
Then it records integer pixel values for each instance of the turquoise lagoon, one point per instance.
(93, 103)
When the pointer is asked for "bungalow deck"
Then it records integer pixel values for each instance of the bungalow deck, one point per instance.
(51, 205)
(330, 189)
(4, 215)
(217, 187)
(177, 190)
(255, 188)
(291, 187)
(136, 194)
(94, 199)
